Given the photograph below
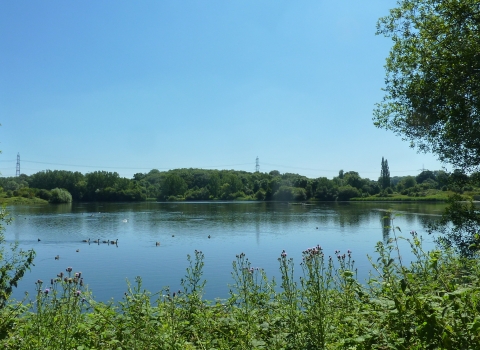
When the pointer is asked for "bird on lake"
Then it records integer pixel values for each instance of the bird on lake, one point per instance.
(77, 250)
(57, 257)
(114, 242)
(96, 241)
(86, 240)
(107, 241)
(39, 239)
(157, 243)
(208, 236)
(173, 235)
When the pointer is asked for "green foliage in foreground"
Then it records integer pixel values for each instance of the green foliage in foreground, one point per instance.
(432, 304)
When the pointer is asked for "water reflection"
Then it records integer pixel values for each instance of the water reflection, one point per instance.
(386, 224)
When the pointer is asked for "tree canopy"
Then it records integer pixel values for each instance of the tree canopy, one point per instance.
(432, 84)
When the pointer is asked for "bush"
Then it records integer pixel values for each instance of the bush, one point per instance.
(347, 192)
(44, 194)
(260, 194)
(195, 195)
(60, 195)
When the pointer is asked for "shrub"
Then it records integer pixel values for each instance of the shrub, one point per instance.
(60, 195)
(44, 194)
(347, 192)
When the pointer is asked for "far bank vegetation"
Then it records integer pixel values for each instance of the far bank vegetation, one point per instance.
(60, 186)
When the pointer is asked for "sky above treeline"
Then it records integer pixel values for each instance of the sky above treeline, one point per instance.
(130, 86)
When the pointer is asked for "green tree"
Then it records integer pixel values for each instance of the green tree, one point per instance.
(384, 175)
(425, 175)
(353, 179)
(173, 185)
(408, 182)
(432, 91)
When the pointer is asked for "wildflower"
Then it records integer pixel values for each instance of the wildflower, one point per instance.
(39, 282)
(46, 291)
(68, 269)
(83, 299)
(51, 281)
(77, 293)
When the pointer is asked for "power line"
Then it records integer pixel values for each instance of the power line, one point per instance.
(257, 167)
(129, 168)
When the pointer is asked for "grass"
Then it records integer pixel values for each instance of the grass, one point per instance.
(427, 196)
(434, 303)
(21, 200)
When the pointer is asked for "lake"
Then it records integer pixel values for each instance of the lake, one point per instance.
(261, 230)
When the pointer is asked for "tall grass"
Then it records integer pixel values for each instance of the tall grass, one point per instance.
(433, 303)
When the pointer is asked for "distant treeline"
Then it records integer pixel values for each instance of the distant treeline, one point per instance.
(200, 184)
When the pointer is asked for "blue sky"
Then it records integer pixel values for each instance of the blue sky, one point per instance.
(131, 86)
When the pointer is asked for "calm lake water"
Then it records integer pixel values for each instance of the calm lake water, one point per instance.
(260, 230)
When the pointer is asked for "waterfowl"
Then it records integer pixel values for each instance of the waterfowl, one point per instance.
(77, 250)
(105, 241)
(86, 240)
(96, 241)
(157, 243)
(208, 236)
(57, 257)
(114, 242)
(39, 239)
(173, 235)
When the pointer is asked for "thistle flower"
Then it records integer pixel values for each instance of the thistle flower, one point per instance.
(46, 291)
